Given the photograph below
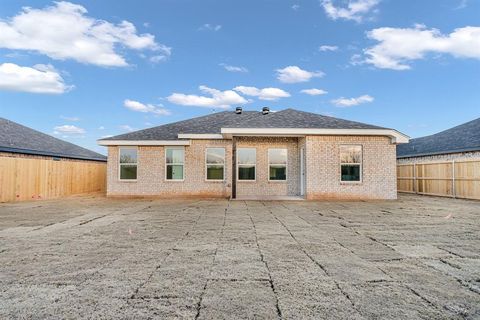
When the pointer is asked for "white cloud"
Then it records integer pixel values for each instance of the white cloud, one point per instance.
(158, 58)
(219, 99)
(356, 10)
(398, 46)
(233, 68)
(73, 119)
(263, 94)
(64, 31)
(146, 108)
(327, 48)
(314, 92)
(350, 102)
(293, 74)
(296, 7)
(68, 129)
(126, 127)
(101, 128)
(37, 79)
(357, 59)
(210, 27)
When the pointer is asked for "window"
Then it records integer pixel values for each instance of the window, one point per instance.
(215, 162)
(174, 161)
(351, 163)
(246, 160)
(277, 164)
(128, 164)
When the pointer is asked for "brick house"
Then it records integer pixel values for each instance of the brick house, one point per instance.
(288, 154)
(458, 143)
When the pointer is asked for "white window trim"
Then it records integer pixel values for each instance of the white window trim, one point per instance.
(254, 165)
(175, 164)
(277, 164)
(213, 164)
(352, 164)
(130, 164)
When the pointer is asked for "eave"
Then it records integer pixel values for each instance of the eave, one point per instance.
(395, 136)
(143, 142)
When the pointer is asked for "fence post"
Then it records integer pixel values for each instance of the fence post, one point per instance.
(453, 179)
(415, 178)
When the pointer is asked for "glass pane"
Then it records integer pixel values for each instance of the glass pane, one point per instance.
(215, 172)
(246, 155)
(128, 172)
(174, 155)
(246, 173)
(351, 154)
(174, 172)
(215, 155)
(128, 155)
(278, 173)
(277, 156)
(350, 172)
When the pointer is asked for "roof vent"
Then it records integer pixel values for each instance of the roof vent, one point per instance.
(265, 110)
(238, 110)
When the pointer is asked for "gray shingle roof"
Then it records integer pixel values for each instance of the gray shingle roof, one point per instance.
(465, 137)
(212, 123)
(20, 139)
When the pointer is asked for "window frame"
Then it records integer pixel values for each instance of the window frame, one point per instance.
(174, 163)
(213, 164)
(254, 166)
(360, 164)
(277, 164)
(129, 164)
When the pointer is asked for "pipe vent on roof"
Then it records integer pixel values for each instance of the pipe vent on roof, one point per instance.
(265, 110)
(238, 110)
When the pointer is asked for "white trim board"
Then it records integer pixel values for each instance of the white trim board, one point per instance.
(394, 135)
(143, 142)
(200, 136)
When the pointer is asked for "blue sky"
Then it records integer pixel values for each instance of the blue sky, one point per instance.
(83, 70)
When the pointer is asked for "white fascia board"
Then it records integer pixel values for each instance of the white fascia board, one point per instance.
(397, 137)
(143, 142)
(200, 136)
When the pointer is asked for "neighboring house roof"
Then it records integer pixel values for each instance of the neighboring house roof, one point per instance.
(16, 138)
(213, 123)
(462, 138)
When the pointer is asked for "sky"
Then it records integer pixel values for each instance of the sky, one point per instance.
(84, 70)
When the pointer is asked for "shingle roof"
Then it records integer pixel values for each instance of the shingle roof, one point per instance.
(212, 123)
(20, 139)
(465, 137)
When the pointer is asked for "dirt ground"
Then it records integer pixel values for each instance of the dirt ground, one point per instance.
(415, 258)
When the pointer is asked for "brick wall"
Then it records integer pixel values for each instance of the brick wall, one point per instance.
(151, 173)
(441, 157)
(262, 186)
(34, 156)
(323, 168)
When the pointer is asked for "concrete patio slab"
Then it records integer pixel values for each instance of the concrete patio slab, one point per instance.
(92, 257)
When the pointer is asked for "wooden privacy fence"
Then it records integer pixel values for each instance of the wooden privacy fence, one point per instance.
(29, 178)
(457, 179)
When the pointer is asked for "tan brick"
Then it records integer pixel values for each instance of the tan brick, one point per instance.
(323, 168)
(322, 157)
